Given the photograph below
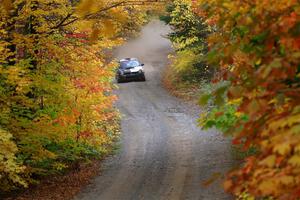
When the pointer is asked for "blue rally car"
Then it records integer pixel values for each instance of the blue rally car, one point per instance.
(130, 69)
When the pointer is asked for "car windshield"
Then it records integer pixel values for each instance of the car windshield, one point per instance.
(130, 64)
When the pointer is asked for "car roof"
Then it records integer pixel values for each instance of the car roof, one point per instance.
(128, 59)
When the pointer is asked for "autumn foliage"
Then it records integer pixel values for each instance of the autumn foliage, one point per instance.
(256, 48)
(56, 100)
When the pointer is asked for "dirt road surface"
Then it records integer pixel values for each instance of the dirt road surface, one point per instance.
(163, 154)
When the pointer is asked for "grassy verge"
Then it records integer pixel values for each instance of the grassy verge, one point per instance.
(60, 187)
(185, 90)
(68, 183)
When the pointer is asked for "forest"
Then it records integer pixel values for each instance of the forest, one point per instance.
(56, 85)
(243, 60)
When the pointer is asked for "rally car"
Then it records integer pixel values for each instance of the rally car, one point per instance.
(130, 69)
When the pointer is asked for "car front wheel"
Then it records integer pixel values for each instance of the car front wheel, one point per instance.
(118, 79)
(143, 78)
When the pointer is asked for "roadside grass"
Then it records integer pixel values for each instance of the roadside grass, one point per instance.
(186, 90)
(67, 184)
(60, 186)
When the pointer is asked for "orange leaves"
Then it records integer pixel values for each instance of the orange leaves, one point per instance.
(7, 5)
(212, 179)
(258, 42)
(56, 97)
(86, 7)
(255, 106)
(228, 184)
(291, 42)
(267, 187)
(268, 161)
(287, 22)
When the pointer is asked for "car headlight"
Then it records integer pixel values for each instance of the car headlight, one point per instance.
(140, 71)
(121, 72)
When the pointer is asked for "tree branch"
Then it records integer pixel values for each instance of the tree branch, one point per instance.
(63, 22)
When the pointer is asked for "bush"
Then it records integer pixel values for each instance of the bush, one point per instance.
(11, 169)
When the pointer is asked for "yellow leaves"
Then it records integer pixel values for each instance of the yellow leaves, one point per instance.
(297, 149)
(285, 180)
(84, 25)
(245, 196)
(13, 74)
(5, 52)
(238, 114)
(10, 170)
(294, 161)
(272, 185)
(119, 14)
(235, 101)
(268, 161)
(287, 121)
(258, 62)
(55, 83)
(108, 28)
(267, 186)
(184, 60)
(248, 20)
(294, 129)
(282, 148)
(85, 7)
(42, 154)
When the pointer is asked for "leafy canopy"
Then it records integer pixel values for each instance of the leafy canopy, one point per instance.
(256, 46)
(56, 100)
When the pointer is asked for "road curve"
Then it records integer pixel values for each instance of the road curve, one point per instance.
(163, 155)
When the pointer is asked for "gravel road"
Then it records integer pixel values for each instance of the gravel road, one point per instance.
(163, 154)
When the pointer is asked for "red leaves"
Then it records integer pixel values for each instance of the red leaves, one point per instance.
(296, 43)
(287, 22)
(79, 84)
(236, 141)
(262, 61)
(291, 43)
(77, 35)
(86, 134)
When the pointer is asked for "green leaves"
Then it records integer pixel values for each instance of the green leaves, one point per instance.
(56, 101)
(256, 47)
(222, 117)
(216, 94)
(241, 31)
(260, 38)
(204, 99)
(189, 30)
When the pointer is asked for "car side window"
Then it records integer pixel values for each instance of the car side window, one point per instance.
(122, 65)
